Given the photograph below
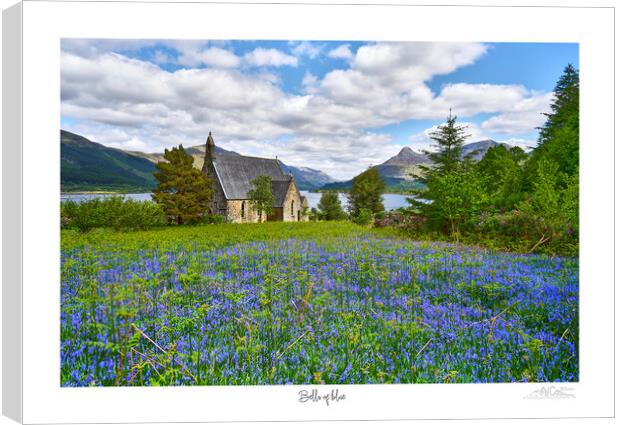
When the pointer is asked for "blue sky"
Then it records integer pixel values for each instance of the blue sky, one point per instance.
(331, 105)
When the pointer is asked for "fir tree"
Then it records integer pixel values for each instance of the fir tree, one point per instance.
(183, 191)
(367, 193)
(449, 139)
(452, 197)
(330, 207)
(558, 139)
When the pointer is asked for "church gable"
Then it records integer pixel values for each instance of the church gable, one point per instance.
(280, 189)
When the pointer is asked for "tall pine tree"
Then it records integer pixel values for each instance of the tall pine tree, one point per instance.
(552, 172)
(330, 207)
(366, 194)
(449, 139)
(183, 191)
(558, 139)
(452, 197)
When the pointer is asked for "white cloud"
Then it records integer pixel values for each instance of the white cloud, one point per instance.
(269, 57)
(391, 77)
(161, 58)
(219, 58)
(524, 144)
(525, 116)
(306, 48)
(341, 52)
(476, 98)
(309, 83)
(189, 51)
(192, 54)
(90, 48)
(408, 62)
(128, 102)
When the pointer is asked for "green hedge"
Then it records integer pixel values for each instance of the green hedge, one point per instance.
(115, 212)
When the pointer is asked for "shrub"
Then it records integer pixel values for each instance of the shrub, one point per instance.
(115, 212)
(212, 219)
(519, 230)
(330, 207)
(363, 217)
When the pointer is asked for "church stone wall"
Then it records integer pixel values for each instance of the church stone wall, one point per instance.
(233, 212)
(292, 195)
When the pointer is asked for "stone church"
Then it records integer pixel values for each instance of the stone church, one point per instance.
(232, 177)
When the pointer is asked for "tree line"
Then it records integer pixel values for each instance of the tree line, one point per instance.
(509, 199)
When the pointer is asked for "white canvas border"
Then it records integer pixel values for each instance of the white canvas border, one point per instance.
(11, 213)
(46, 22)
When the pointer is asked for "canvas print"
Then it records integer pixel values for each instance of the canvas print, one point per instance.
(260, 212)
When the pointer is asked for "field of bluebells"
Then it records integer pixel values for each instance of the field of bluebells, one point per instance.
(305, 303)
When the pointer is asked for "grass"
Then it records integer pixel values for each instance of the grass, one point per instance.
(301, 303)
(216, 235)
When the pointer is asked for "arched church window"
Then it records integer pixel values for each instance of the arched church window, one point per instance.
(242, 209)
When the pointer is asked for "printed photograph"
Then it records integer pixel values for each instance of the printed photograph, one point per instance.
(308, 212)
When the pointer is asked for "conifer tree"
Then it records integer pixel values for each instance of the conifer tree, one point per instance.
(183, 191)
(449, 139)
(330, 207)
(452, 197)
(558, 139)
(367, 193)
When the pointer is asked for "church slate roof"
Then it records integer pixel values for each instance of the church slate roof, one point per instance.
(279, 188)
(236, 172)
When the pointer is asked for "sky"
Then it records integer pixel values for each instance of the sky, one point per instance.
(335, 106)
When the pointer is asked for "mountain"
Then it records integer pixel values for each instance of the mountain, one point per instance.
(477, 150)
(86, 165)
(403, 164)
(90, 166)
(398, 171)
(307, 178)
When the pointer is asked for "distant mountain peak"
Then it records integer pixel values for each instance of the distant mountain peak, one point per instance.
(406, 157)
(478, 149)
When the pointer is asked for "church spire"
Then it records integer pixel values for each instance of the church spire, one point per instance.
(210, 148)
(209, 155)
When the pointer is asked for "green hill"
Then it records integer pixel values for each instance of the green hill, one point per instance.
(89, 166)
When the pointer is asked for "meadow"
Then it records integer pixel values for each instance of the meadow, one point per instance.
(301, 303)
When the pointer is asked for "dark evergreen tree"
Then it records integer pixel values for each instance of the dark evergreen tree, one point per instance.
(552, 172)
(330, 207)
(501, 171)
(449, 139)
(453, 195)
(183, 191)
(366, 193)
(558, 139)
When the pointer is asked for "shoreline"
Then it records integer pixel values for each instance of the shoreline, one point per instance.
(101, 192)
